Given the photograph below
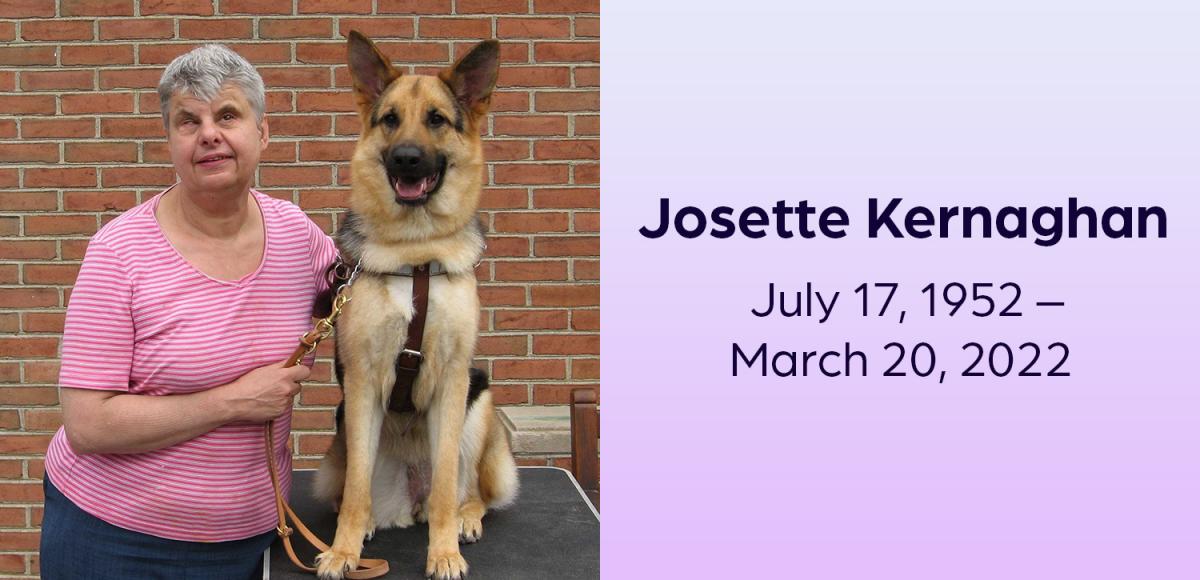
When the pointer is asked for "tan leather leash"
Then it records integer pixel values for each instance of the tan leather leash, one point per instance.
(367, 567)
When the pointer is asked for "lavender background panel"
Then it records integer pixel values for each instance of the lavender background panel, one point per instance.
(942, 103)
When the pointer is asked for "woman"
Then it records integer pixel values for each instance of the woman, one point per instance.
(184, 308)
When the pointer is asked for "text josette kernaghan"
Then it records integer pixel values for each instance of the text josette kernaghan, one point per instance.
(1047, 225)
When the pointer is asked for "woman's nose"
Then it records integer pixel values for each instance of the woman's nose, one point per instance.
(209, 132)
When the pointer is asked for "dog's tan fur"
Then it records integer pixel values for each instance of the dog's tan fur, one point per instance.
(472, 465)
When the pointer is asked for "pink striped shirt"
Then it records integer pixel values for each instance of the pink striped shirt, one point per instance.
(143, 320)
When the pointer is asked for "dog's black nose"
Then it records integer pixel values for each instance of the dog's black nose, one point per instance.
(406, 156)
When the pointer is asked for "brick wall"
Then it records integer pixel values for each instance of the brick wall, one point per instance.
(81, 140)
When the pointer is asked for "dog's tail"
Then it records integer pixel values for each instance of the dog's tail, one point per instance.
(498, 482)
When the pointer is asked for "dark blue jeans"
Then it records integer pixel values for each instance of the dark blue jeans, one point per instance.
(77, 545)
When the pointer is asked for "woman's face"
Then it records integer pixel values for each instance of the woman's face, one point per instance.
(215, 145)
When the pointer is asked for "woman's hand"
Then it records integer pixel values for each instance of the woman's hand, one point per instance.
(264, 393)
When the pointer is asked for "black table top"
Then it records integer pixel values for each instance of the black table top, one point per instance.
(551, 532)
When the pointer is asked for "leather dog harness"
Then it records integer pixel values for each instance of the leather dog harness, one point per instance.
(408, 364)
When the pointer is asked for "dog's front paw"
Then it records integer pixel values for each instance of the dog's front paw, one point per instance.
(445, 565)
(470, 529)
(334, 564)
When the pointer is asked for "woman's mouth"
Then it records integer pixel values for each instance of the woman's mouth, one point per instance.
(213, 160)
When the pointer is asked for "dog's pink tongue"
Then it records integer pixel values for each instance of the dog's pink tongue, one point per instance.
(412, 190)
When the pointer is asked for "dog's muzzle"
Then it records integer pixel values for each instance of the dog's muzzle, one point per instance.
(414, 173)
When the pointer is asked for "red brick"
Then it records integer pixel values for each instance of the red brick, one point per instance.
(566, 51)
(106, 200)
(8, 31)
(295, 77)
(96, 7)
(587, 76)
(134, 78)
(567, 101)
(95, 54)
(377, 27)
(12, 563)
(570, 295)
(531, 271)
(531, 319)
(534, 76)
(215, 28)
(588, 173)
(510, 102)
(92, 102)
(567, 149)
(531, 174)
(28, 348)
(566, 344)
(347, 125)
(492, 7)
(578, 197)
(42, 321)
(326, 150)
(42, 128)
(313, 444)
(282, 176)
(161, 54)
(27, 56)
(10, 322)
(430, 27)
(510, 52)
(414, 7)
(312, 420)
(100, 152)
(73, 249)
(509, 394)
(587, 124)
(9, 226)
(586, 26)
(295, 28)
(501, 345)
(584, 320)
(299, 125)
(19, 540)
(557, 394)
(60, 177)
(566, 246)
(532, 125)
(26, 8)
(502, 295)
(28, 152)
(122, 176)
(47, 225)
(57, 30)
(566, 6)
(255, 7)
(587, 221)
(27, 201)
(506, 150)
(8, 129)
(409, 52)
(43, 419)
(529, 369)
(186, 7)
(264, 53)
(41, 372)
(280, 152)
(533, 28)
(135, 28)
(333, 6)
(10, 372)
(28, 297)
(334, 101)
(56, 80)
(141, 127)
(530, 222)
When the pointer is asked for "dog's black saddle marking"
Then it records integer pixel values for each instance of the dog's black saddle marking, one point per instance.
(478, 384)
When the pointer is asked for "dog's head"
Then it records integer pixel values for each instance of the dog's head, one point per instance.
(418, 168)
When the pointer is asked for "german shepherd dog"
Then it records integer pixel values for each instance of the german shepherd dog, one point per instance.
(416, 178)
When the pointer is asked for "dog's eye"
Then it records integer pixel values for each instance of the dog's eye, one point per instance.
(391, 120)
(436, 119)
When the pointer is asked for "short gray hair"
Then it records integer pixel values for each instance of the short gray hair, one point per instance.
(203, 71)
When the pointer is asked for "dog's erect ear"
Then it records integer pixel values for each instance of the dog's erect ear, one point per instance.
(371, 70)
(473, 77)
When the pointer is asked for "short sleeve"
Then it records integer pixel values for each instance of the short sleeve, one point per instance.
(323, 252)
(97, 344)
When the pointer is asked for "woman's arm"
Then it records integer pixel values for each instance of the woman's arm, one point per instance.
(114, 422)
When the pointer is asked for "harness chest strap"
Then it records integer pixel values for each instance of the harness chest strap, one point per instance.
(408, 363)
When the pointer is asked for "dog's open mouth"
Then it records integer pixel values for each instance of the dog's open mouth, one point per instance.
(413, 190)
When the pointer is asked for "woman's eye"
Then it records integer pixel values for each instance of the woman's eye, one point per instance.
(227, 117)
(436, 119)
